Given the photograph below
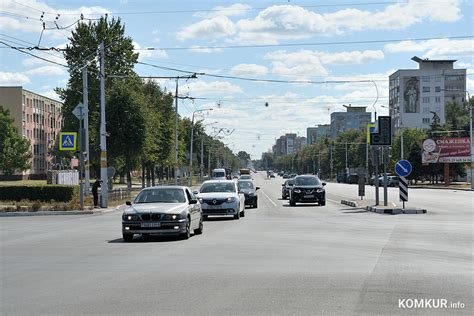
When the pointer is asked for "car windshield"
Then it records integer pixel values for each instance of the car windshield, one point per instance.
(218, 174)
(217, 187)
(246, 185)
(307, 181)
(290, 182)
(246, 177)
(164, 195)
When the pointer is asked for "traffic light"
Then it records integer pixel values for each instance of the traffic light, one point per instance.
(383, 137)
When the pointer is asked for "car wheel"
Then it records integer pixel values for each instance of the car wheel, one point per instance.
(205, 216)
(187, 234)
(237, 216)
(242, 214)
(255, 205)
(198, 231)
(127, 237)
(322, 202)
(292, 203)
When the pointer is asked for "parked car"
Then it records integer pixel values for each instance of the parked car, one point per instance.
(250, 192)
(163, 210)
(342, 177)
(392, 181)
(353, 178)
(285, 188)
(307, 189)
(221, 197)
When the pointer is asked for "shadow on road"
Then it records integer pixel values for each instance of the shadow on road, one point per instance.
(361, 210)
(302, 205)
(219, 219)
(143, 239)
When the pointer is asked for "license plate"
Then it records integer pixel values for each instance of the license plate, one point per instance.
(309, 196)
(151, 224)
(213, 207)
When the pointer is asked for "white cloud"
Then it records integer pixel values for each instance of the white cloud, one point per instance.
(149, 54)
(249, 69)
(198, 49)
(437, 48)
(353, 57)
(51, 94)
(32, 61)
(33, 8)
(464, 65)
(291, 22)
(13, 79)
(46, 71)
(215, 87)
(213, 28)
(234, 10)
(302, 64)
(469, 85)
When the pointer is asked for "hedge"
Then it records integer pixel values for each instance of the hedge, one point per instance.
(45, 193)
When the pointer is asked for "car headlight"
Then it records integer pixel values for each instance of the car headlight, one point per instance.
(200, 200)
(297, 190)
(231, 199)
(130, 217)
(170, 217)
(320, 190)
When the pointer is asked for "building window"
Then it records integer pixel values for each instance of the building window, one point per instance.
(437, 78)
(437, 89)
(426, 78)
(426, 120)
(437, 99)
(426, 99)
(426, 89)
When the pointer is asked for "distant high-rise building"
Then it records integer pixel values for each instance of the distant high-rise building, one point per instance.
(38, 119)
(417, 96)
(288, 144)
(355, 117)
(313, 134)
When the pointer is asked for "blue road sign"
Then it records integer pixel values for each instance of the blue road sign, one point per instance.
(403, 168)
(67, 141)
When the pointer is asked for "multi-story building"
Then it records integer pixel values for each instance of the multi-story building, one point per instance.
(417, 96)
(38, 119)
(356, 117)
(313, 134)
(288, 144)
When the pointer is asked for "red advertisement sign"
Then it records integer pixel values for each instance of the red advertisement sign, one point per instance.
(446, 150)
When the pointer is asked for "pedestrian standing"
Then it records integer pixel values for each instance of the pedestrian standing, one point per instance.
(95, 193)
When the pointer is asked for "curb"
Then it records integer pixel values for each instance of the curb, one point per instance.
(349, 203)
(52, 213)
(395, 211)
(440, 188)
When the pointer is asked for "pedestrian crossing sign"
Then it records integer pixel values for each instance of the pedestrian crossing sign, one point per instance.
(67, 141)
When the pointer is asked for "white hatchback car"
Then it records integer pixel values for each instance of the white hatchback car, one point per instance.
(222, 197)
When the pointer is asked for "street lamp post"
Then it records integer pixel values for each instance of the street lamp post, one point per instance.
(191, 147)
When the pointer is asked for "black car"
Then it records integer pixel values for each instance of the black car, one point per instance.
(250, 192)
(307, 189)
(353, 178)
(285, 188)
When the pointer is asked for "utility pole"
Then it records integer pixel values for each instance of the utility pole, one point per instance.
(331, 162)
(347, 169)
(85, 102)
(191, 147)
(209, 161)
(176, 136)
(104, 192)
(201, 167)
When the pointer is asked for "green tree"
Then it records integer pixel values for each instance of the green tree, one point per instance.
(14, 149)
(83, 48)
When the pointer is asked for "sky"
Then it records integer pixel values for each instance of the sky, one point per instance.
(301, 52)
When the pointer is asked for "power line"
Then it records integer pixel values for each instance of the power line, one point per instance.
(307, 44)
(33, 55)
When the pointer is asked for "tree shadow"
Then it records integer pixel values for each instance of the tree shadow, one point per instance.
(141, 238)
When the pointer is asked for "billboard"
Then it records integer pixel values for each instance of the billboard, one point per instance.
(411, 95)
(446, 150)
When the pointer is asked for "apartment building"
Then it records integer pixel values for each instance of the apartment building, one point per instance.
(313, 134)
(417, 96)
(355, 117)
(38, 119)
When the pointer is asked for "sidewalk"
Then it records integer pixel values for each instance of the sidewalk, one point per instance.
(95, 211)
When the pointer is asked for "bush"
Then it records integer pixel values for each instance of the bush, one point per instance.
(45, 193)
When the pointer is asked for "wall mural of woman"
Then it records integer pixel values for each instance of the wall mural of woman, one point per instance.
(411, 95)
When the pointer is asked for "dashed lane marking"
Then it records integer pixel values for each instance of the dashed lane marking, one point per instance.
(274, 204)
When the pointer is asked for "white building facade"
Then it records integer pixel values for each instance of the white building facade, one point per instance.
(418, 96)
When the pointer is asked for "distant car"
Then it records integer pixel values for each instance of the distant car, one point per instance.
(250, 192)
(285, 188)
(245, 177)
(342, 177)
(392, 181)
(353, 178)
(218, 174)
(163, 210)
(221, 197)
(293, 175)
(286, 176)
(235, 175)
(272, 175)
(307, 189)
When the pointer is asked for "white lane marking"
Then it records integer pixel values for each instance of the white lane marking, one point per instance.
(274, 204)
(334, 201)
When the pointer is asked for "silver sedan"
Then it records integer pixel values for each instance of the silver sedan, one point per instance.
(163, 210)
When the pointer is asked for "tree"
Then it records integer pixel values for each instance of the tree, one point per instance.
(83, 48)
(244, 156)
(14, 149)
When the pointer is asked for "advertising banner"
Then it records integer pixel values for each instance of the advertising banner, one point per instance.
(446, 150)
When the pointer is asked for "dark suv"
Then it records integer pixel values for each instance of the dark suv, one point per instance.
(285, 188)
(307, 189)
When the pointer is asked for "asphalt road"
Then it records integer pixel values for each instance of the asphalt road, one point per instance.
(277, 260)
